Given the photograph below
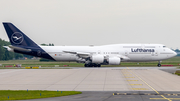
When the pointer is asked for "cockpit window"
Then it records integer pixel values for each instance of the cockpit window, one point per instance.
(164, 46)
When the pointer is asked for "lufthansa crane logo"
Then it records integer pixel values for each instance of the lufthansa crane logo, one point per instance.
(17, 38)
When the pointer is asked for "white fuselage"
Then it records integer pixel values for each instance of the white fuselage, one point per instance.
(92, 56)
(128, 52)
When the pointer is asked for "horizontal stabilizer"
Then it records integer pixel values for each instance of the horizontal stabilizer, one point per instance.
(19, 48)
(8, 48)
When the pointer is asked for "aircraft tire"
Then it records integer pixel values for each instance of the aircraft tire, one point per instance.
(94, 65)
(98, 65)
(90, 65)
(159, 65)
(86, 65)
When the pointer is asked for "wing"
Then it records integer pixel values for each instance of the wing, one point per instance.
(79, 54)
(85, 55)
(124, 58)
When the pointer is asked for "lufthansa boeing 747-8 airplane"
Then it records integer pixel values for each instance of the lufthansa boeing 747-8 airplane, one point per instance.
(92, 56)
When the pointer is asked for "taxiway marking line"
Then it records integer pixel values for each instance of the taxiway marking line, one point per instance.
(136, 84)
(129, 77)
(132, 80)
(144, 81)
(149, 85)
(164, 98)
(139, 88)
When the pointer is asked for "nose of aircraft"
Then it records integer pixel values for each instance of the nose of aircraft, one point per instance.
(174, 53)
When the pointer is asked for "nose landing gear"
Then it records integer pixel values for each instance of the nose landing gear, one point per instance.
(159, 64)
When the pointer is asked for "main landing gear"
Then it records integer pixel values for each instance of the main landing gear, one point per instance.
(159, 64)
(92, 65)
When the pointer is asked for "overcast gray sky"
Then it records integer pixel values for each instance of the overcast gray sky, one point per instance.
(94, 22)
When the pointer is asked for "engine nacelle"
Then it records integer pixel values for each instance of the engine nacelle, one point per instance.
(114, 61)
(97, 59)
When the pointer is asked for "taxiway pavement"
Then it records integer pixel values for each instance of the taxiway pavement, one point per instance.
(90, 79)
(112, 83)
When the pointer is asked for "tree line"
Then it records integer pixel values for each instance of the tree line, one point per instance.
(5, 54)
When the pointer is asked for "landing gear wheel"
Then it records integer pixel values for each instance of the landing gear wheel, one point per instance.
(98, 65)
(90, 65)
(95, 65)
(85, 65)
(159, 65)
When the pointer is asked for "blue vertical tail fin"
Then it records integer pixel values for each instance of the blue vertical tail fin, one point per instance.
(20, 43)
(17, 37)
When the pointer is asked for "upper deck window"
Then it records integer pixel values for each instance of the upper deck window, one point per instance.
(164, 46)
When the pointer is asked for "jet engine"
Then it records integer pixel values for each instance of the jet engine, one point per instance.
(97, 59)
(114, 61)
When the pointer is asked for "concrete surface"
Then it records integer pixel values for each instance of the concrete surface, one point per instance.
(97, 84)
(90, 79)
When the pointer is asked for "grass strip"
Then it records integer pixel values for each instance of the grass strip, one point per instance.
(32, 94)
(177, 74)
